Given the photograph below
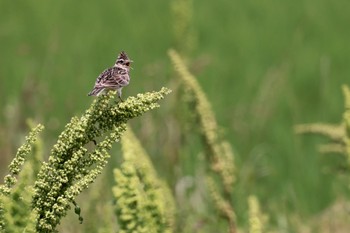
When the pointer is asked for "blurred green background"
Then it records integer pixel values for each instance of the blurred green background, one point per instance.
(264, 65)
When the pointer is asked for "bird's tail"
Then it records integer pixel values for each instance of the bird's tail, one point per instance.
(96, 91)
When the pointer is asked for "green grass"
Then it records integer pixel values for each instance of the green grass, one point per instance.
(272, 64)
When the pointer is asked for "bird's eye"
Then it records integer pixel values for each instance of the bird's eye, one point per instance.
(127, 63)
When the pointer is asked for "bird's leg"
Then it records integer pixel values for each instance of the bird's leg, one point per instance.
(119, 91)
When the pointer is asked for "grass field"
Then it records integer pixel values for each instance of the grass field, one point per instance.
(265, 66)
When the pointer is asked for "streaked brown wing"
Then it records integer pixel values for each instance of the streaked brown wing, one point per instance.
(106, 74)
(108, 78)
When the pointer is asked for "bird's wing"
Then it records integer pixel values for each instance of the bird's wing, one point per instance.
(106, 78)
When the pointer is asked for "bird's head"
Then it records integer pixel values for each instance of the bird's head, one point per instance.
(123, 60)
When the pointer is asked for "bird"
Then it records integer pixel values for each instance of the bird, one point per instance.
(114, 78)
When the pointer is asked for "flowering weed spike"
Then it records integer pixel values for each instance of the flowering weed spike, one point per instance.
(71, 167)
(20, 157)
(219, 152)
(222, 205)
(257, 220)
(143, 202)
(6, 193)
(339, 134)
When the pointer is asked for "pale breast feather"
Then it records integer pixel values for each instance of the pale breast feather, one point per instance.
(121, 77)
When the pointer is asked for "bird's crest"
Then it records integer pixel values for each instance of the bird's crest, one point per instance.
(123, 55)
